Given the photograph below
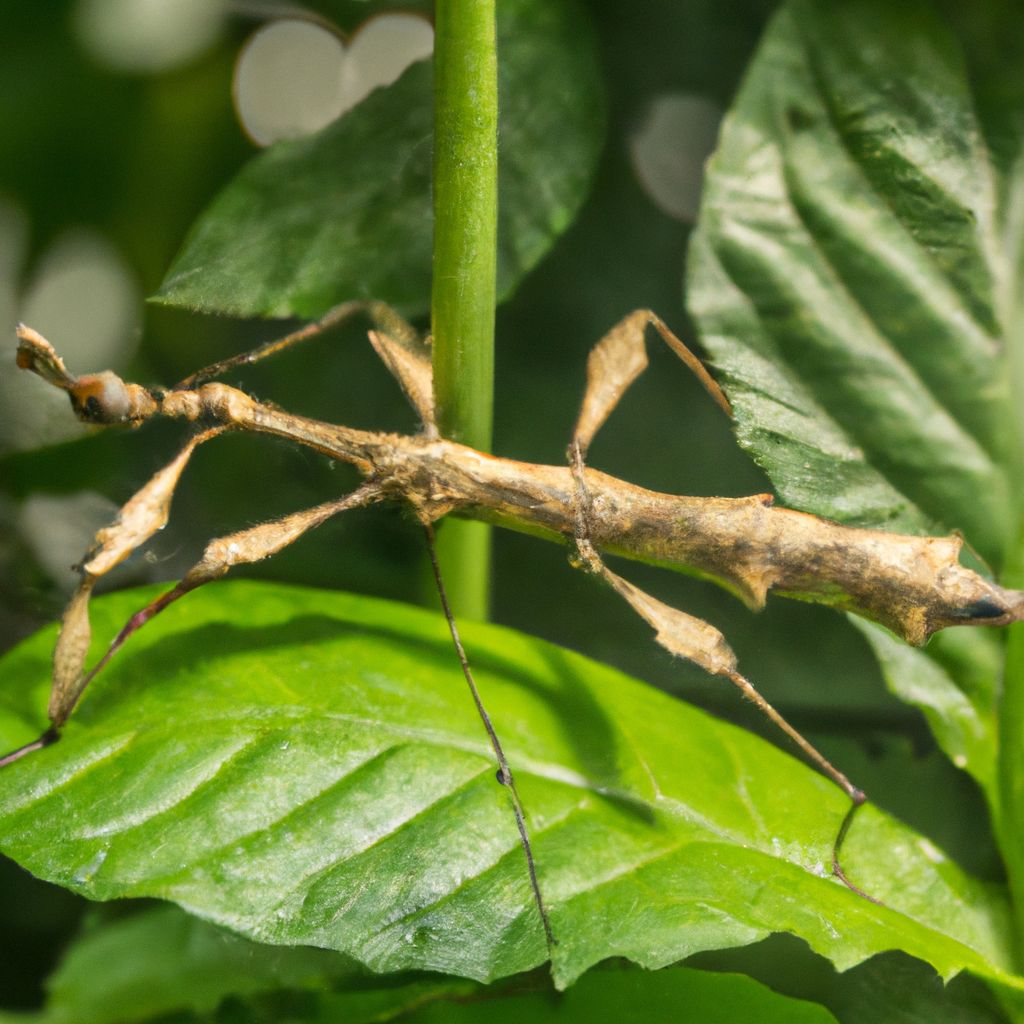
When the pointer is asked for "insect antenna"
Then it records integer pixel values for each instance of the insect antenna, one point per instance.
(504, 771)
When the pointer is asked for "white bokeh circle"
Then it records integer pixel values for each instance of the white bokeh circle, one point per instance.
(669, 149)
(294, 76)
(148, 36)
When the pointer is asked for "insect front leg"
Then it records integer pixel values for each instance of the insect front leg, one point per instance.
(382, 315)
(244, 547)
(138, 519)
(618, 359)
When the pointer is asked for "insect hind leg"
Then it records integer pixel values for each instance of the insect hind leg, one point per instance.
(698, 641)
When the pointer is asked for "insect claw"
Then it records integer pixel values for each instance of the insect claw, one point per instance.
(45, 739)
(857, 800)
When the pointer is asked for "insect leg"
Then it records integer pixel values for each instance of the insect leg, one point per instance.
(246, 546)
(504, 771)
(241, 548)
(138, 519)
(382, 315)
(698, 641)
(408, 358)
(618, 359)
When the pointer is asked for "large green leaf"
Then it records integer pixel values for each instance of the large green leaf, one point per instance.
(346, 213)
(305, 767)
(846, 269)
(854, 277)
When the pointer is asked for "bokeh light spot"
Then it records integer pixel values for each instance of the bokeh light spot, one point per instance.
(60, 529)
(381, 50)
(670, 148)
(294, 76)
(82, 297)
(148, 36)
(288, 80)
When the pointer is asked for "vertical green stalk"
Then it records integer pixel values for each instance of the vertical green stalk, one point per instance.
(1010, 823)
(1010, 826)
(465, 259)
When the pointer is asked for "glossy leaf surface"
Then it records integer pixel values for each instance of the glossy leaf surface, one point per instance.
(305, 767)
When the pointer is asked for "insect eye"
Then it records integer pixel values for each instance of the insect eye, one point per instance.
(93, 407)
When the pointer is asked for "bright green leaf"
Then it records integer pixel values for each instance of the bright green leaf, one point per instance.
(346, 213)
(305, 767)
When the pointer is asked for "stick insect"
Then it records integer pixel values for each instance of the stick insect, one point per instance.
(913, 585)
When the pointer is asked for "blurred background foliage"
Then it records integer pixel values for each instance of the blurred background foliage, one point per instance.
(114, 141)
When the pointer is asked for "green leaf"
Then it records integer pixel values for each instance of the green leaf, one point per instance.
(162, 961)
(305, 767)
(845, 273)
(346, 213)
(1011, 763)
(631, 997)
(854, 278)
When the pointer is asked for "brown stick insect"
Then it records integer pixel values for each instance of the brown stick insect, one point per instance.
(913, 585)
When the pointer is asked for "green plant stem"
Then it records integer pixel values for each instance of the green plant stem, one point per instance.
(465, 259)
(1010, 822)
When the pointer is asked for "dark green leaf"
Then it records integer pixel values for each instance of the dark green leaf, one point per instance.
(890, 987)
(346, 213)
(633, 997)
(306, 767)
(163, 960)
(853, 278)
(846, 268)
(895, 989)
